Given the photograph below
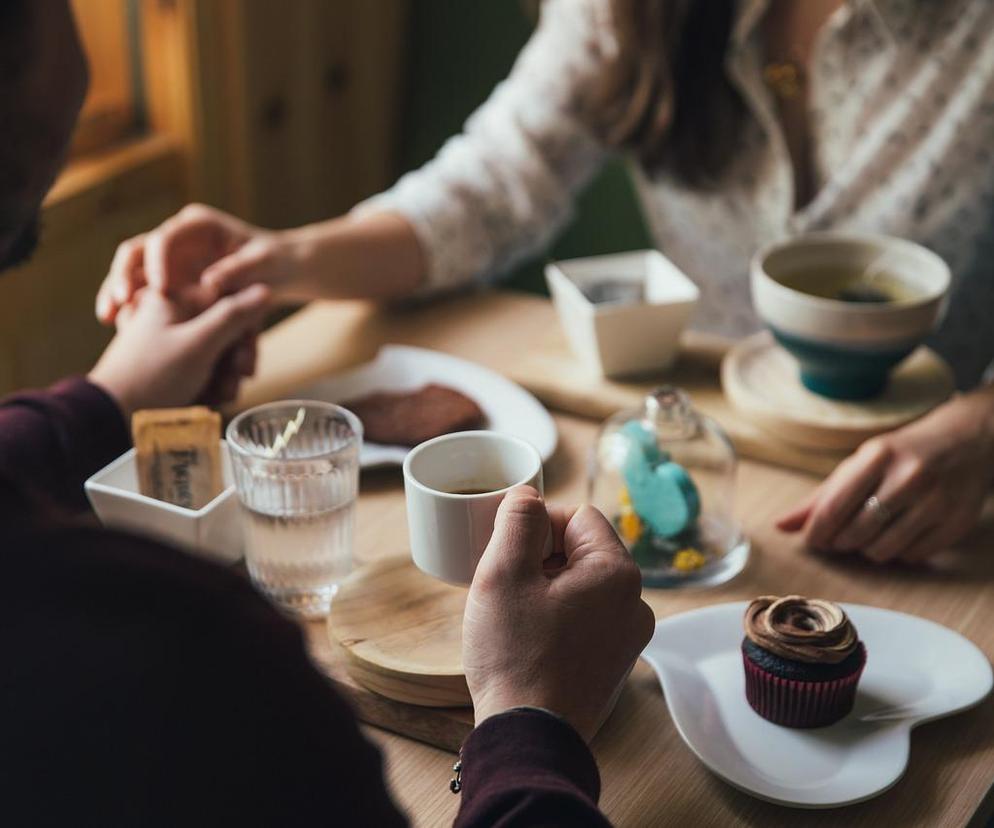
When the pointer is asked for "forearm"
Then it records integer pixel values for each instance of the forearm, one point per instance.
(51, 441)
(376, 256)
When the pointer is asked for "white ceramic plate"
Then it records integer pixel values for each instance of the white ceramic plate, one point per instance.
(508, 407)
(916, 671)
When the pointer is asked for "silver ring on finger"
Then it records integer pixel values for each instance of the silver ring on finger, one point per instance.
(878, 510)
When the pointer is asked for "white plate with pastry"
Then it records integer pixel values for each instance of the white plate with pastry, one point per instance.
(506, 407)
(916, 671)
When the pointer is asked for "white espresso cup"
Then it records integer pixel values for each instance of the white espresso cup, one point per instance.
(454, 485)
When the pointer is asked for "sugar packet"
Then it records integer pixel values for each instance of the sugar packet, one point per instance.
(178, 455)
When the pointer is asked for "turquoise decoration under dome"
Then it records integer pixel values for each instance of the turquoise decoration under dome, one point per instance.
(664, 475)
(644, 440)
(661, 492)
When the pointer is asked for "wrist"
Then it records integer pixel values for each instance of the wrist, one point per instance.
(283, 272)
(979, 405)
(983, 399)
(486, 706)
(967, 421)
(309, 261)
(489, 706)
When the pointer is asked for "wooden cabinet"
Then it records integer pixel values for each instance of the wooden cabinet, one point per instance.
(289, 111)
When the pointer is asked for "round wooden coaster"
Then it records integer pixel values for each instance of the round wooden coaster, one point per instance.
(761, 380)
(402, 633)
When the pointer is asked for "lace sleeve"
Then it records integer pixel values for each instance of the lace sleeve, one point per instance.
(501, 189)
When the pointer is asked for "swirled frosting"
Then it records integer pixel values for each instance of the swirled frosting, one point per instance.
(802, 629)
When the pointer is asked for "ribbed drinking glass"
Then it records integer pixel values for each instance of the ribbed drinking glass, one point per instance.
(296, 468)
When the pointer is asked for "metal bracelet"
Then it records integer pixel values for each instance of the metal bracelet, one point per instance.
(455, 784)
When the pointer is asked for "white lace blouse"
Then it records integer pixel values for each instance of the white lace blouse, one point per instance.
(902, 121)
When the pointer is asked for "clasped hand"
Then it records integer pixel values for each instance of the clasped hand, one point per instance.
(187, 319)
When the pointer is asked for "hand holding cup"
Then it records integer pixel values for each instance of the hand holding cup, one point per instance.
(554, 617)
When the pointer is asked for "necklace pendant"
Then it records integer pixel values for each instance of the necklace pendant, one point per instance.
(785, 78)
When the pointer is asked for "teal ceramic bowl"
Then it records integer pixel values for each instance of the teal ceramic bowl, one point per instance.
(846, 350)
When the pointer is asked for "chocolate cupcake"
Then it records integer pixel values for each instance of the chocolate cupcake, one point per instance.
(803, 659)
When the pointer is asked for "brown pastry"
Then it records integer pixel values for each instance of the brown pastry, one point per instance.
(407, 418)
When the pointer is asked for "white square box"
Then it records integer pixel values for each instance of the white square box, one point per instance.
(214, 531)
(619, 339)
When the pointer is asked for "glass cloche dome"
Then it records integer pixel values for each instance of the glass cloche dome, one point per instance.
(664, 475)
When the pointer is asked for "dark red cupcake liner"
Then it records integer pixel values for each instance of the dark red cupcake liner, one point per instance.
(793, 703)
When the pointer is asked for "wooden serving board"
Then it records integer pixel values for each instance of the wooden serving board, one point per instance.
(552, 374)
(441, 727)
(401, 631)
(761, 380)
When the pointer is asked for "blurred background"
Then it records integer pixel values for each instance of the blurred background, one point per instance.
(280, 112)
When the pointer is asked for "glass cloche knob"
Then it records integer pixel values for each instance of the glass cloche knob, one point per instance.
(669, 410)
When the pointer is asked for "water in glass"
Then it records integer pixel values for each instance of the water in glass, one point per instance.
(298, 499)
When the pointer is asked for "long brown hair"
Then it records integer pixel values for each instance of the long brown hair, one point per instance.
(666, 96)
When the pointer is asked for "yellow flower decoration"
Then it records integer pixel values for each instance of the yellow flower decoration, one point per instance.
(630, 526)
(689, 559)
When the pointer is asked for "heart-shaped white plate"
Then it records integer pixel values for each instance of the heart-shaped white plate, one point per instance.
(916, 671)
(507, 406)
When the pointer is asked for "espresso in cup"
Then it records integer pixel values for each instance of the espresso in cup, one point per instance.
(453, 486)
(478, 485)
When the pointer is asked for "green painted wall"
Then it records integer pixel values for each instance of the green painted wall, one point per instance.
(459, 50)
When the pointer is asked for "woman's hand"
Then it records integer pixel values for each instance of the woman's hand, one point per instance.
(165, 354)
(199, 254)
(908, 494)
(554, 618)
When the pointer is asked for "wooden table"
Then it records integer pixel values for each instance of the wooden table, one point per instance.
(650, 778)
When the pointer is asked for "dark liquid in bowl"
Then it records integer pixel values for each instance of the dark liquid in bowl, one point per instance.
(846, 285)
(473, 491)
